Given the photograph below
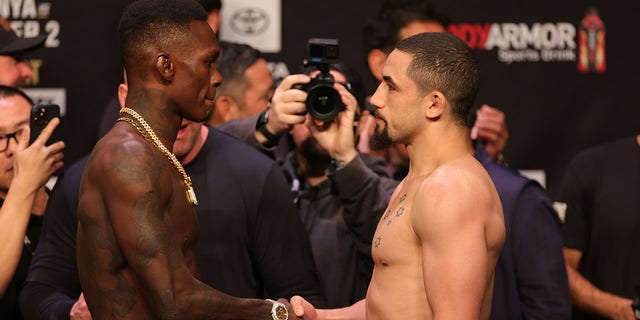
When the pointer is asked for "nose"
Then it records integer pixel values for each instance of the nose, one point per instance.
(12, 143)
(26, 72)
(216, 77)
(377, 99)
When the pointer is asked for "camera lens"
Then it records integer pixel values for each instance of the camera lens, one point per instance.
(323, 102)
(332, 52)
(41, 116)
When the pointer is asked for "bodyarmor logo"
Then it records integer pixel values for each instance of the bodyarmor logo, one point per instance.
(518, 42)
(249, 21)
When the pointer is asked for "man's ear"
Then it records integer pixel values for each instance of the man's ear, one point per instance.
(165, 66)
(225, 109)
(223, 104)
(376, 59)
(123, 89)
(435, 105)
(213, 19)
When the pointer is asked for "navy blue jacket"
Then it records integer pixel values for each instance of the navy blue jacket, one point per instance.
(530, 277)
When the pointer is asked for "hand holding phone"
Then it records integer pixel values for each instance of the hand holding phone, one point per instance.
(35, 160)
(41, 114)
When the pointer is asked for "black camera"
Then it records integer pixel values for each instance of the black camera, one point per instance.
(323, 101)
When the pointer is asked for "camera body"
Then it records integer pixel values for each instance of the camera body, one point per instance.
(323, 101)
(41, 114)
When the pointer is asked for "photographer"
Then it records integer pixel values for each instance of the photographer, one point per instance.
(25, 170)
(340, 200)
(340, 196)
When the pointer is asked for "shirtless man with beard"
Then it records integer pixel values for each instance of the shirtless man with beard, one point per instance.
(436, 246)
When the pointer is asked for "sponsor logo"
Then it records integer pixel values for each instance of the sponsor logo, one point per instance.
(29, 19)
(249, 21)
(583, 44)
(521, 42)
(591, 43)
(49, 96)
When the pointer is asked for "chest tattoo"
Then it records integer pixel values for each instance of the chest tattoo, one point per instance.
(387, 215)
(400, 211)
(378, 241)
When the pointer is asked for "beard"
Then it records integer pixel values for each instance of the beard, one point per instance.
(380, 139)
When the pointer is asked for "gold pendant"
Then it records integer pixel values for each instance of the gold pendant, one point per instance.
(191, 196)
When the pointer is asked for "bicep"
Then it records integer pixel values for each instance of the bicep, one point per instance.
(454, 253)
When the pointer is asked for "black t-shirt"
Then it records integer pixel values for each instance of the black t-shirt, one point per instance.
(9, 303)
(602, 191)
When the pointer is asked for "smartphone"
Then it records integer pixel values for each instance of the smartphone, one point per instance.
(41, 114)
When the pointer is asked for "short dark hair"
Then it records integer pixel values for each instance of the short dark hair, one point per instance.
(383, 31)
(147, 23)
(7, 92)
(443, 62)
(211, 5)
(233, 61)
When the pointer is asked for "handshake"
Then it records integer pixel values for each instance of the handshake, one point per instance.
(301, 308)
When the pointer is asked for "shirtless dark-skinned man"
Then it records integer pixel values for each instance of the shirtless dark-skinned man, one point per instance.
(136, 220)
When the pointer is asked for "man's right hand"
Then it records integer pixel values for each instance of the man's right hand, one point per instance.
(80, 311)
(302, 308)
(287, 105)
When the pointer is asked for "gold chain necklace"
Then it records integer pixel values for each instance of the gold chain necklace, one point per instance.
(149, 134)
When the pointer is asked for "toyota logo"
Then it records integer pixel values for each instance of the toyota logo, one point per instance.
(249, 21)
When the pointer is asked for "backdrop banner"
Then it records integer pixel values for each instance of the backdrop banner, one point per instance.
(564, 72)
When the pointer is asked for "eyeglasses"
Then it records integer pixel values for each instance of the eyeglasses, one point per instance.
(4, 139)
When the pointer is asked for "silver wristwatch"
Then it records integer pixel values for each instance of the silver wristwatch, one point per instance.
(279, 310)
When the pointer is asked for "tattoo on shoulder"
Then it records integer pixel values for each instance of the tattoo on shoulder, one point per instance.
(126, 166)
